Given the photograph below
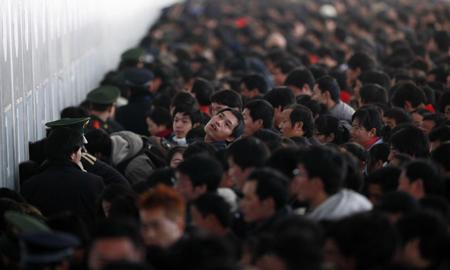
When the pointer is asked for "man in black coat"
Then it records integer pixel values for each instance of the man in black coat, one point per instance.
(63, 185)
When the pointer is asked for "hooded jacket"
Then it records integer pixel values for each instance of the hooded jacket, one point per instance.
(127, 156)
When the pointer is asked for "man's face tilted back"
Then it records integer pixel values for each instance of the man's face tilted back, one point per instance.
(221, 126)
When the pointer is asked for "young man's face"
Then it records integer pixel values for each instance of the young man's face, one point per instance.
(181, 125)
(158, 229)
(359, 133)
(220, 127)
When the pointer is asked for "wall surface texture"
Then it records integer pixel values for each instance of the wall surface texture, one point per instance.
(52, 52)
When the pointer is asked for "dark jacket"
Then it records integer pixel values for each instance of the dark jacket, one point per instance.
(132, 115)
(109, 174)
(63, 186)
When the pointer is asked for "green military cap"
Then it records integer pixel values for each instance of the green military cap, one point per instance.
(134, 54)
(104, 95)
(23, 223)
(76, 124)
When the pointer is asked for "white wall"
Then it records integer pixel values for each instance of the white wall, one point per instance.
(51, 53)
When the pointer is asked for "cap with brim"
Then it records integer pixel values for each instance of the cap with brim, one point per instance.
(137, 77)
(23, 223)
(76, 124)
(47, 247)
(134, 54)
(104, 95)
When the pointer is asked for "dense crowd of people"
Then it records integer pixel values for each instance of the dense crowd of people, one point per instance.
(258, 134)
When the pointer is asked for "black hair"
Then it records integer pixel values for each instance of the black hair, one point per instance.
(202, 170)
(398, 114)
(407, 91)
(329, 84)
(119, 228)
(427, 172)
(213, 204)
(379, 152)
(375, 77)
(373, 93)
(164, 176)
(357, 150)
(248, 152)
(203, 91)
(99, 142)
(261, 109)
(99, 107)
(362, 61)
(286, 65)
(270, 184)
(327, 125)
(410, 140)
(228, 98)
(320, 157)
(285, 160)
(199, 147)
(299, 77)
(440, 155)
(444, 101)
(161, 116)
(74, 112)
(184, 101)
(302, 114)
(442, 40)
(430, 230)
(369, 117)
(174, 150)
(280, 97)
(255, 81)
(366, 238)
(315, 106)
(441, 134)
(272, 139)
(386, 178)
(398, 202)
(62, 142)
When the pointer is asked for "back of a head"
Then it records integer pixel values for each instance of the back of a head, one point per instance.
(213, 204)
(362, 61)
(329, 84)
(425, 171)
(440, 156)
(248, 152)
(299, 77)
(202, 170)
(203, 91)
(165, 198)
(368, 239)
(373, 94)
(412, 141)
(375, 77)
(407, 92)
(319, 157)
(99, 142)
(398, 114)
(303, 114)
(62, 142)
(185, 101)
(280, 97)
(255, 81)
(270, 184)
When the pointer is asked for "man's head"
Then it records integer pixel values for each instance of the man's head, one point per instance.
(395, 116)
(243, 156)
(158, 120)
(202, 90)
(257, 114)
(279, 98)
(197, 175)
(162, 213)
(138, 81)
(253, 85)
(327, 91)
(300, 81)
(409, 140)
(314, 183)
(225, 99)
(115, 241)
(372, 94)
(420, 178)
(367, 124)
(64, 144)
(357, 64)
(281, 70)
(408, 96)
(225, 126)
(211, 213)
(297, 121)
(265, 192)
(102, 101)
(184, 120)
